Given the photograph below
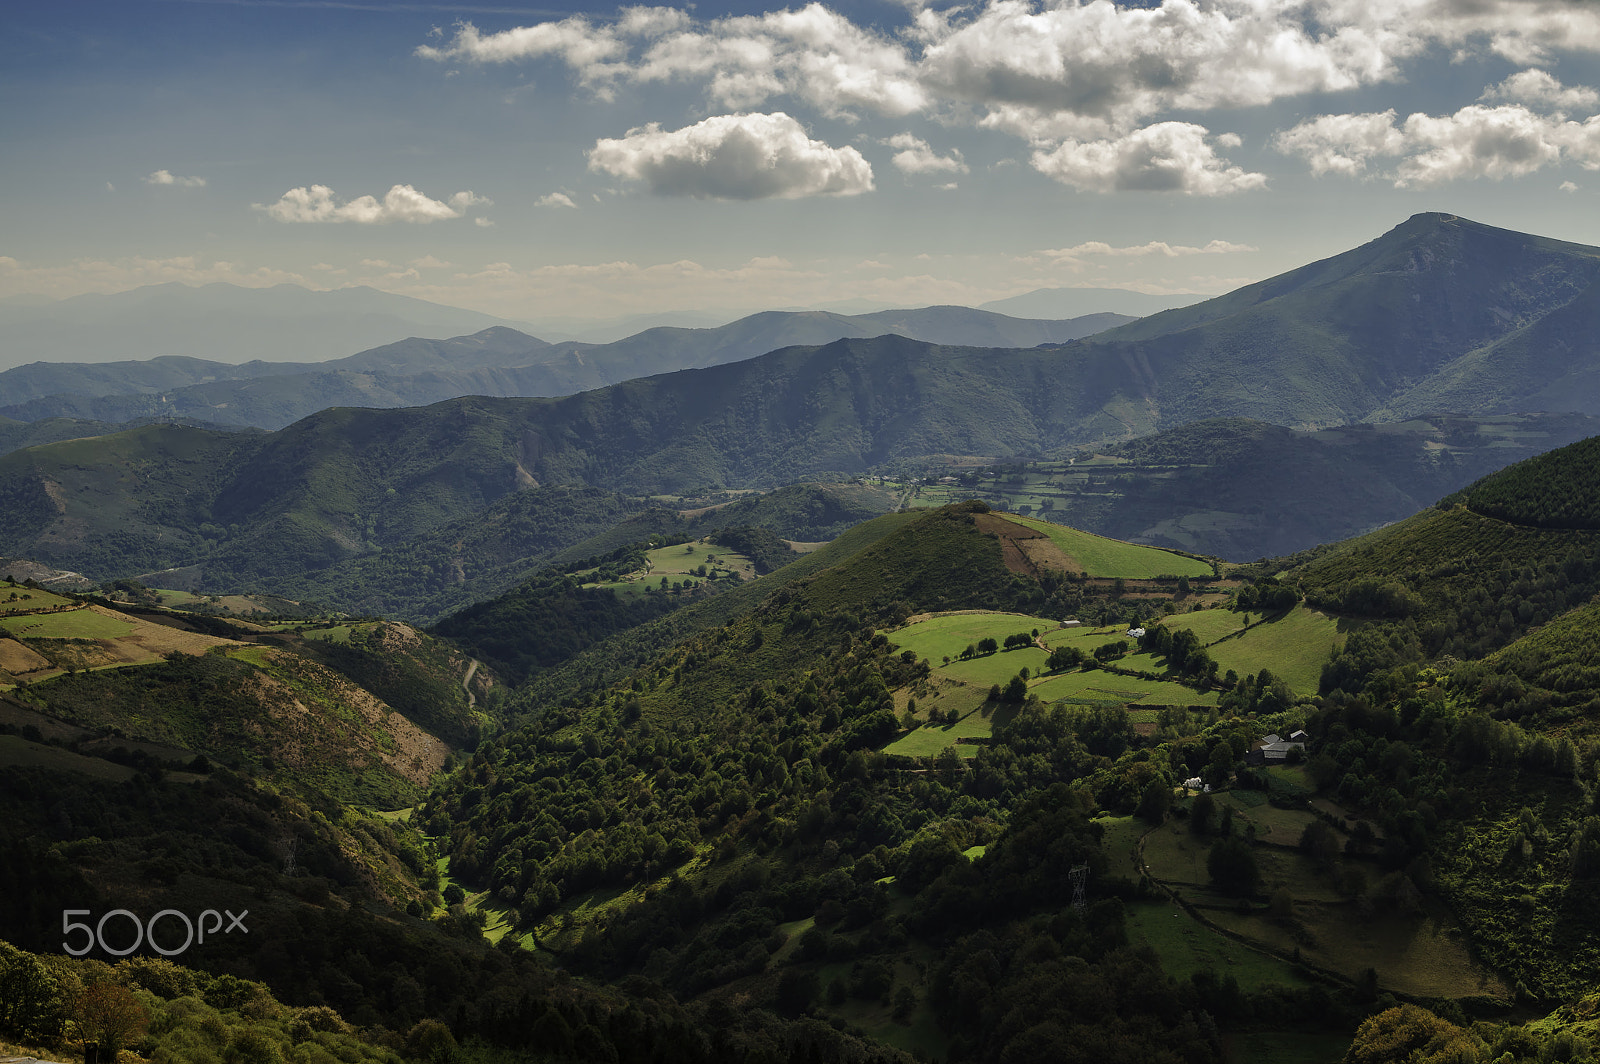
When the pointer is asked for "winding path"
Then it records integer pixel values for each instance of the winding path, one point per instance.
(472, 700)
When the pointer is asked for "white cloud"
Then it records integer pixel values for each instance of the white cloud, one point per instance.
(555, 199)
(743, 157)
(1166, 157)
(1476, 141)
(167, 177)
(1539, 89)
(1342, 144)
(1567, 186)
(914, 156)
(1159, 248)
(402, 203)
(814, 54)
(1056, 72)
(482, 222)
(428, 262)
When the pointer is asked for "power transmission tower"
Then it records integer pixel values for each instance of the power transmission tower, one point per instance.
(1080, 884)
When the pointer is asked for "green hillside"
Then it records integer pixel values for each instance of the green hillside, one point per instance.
(1555, 490)
(1102, 557)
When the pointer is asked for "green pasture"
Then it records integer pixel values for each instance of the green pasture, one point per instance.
(1084, 637)
(996, 668)
(676, 564)
(18, 598)
(939, 637)
(1290, 779)
(929, 739)
(680, 559)
(1097, 685)
(1424, 955)
(1294, 647)
(1104, 557)
(339, 633)
(74, 624)
(1186, 947)
(1208, 625)
(1120, 839)
(1281, 827)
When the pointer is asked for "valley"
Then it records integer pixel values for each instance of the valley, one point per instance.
(1216, 687)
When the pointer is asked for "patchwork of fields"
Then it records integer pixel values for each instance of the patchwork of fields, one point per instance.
(960, 685)
(682, 564)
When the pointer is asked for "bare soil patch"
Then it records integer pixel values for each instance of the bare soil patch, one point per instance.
(17, 659)
(1025, 550)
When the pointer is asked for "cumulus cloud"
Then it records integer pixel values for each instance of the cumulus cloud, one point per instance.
(1342, 144)
(167, 177)
(741, 157)
(1086, 82)
(1427, 150)
(1539, 89)
(555, 199)
(402, 203)
(1166, 157)
(814, 54)
(1568, 186)
(913, 155)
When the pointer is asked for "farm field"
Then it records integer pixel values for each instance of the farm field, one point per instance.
(677, 563)
(1104, 557)
(1187, 946)
(84, 623)
(1209, 625)
(947, 635)
(1119, 841)
(998, 667)
(1294, 647)
(18, 599)
(1281, 827)
(1098, 686)
(928, 740)
(1423, 955)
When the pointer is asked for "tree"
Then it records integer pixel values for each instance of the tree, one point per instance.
(1411, 1033)
(1201, 812)
(109, 1016)
(1154, 801)
(1232, 866)
(1220, 766)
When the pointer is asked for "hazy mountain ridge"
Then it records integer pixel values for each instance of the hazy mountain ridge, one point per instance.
(224, 322)
(497, 361)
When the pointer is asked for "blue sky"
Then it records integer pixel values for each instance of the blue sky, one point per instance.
(590, 161)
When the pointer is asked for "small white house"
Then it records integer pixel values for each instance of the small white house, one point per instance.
(1072, 624)
(1135, 633)
(1193, 783)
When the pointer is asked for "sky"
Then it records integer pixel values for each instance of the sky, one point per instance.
(591, 161)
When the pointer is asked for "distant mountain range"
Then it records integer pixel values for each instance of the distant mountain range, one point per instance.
(1425, 313)
(497, 361)
(224, 323)
(1071, 302)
